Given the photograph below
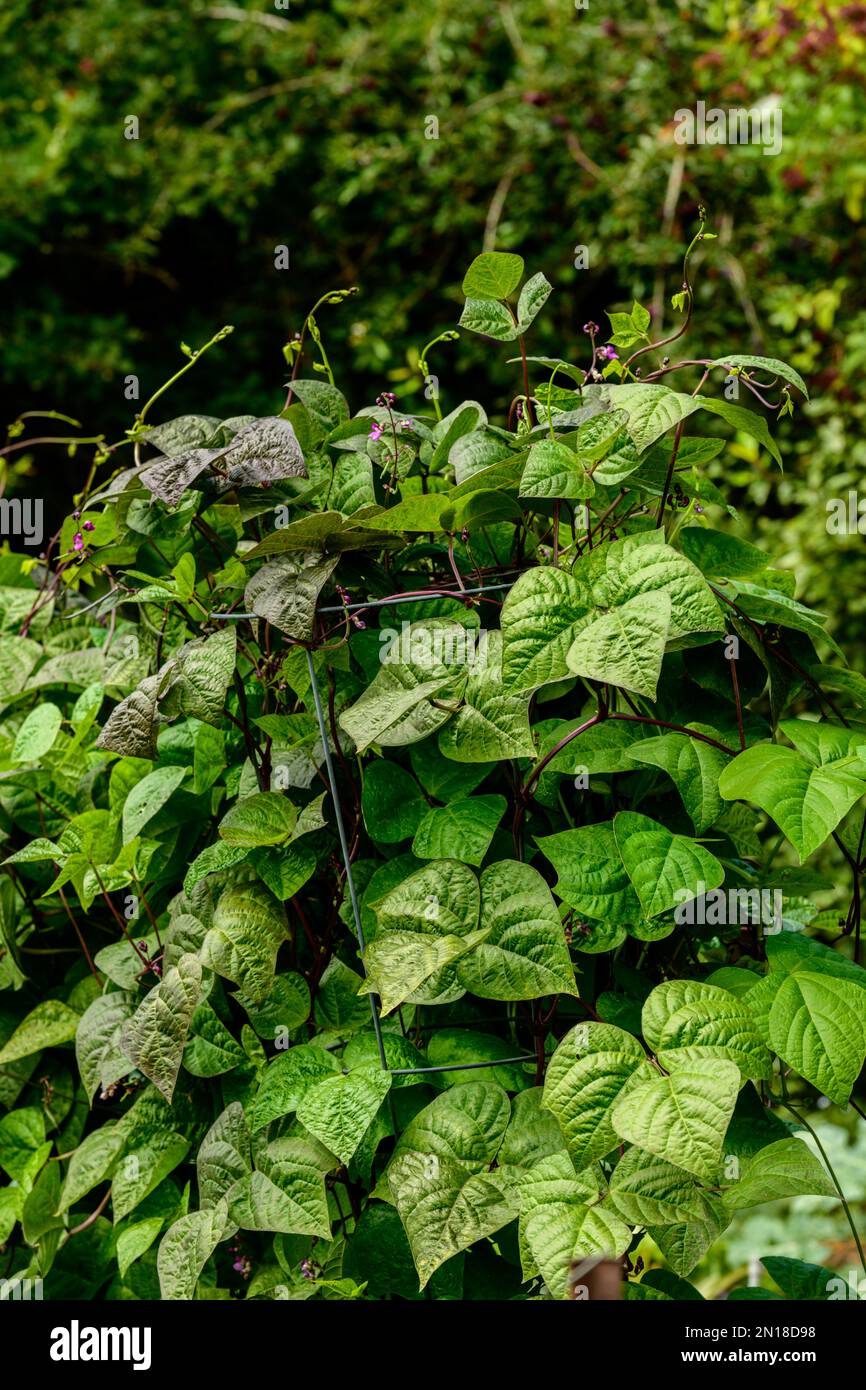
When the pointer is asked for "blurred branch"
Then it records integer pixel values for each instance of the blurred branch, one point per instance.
(738, 280)
(579, 155)
(293, 84)
(669, 211)
(497, 203)
(234, 12)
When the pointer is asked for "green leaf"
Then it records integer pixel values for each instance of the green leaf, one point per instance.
(213, 858)
(652, 410)
(560, 1224)
(648, 1191)
(591, 876)
(683, 1117)
(286, 868)
(817, 1025)
(92, 1162)
(315, 531)
(493, 275)
(131, 727)
(352, 484)
(464, 420)
(465, 1125)
(787, 1168)
(695, 768)
(762, 364)
(463, 830)
(625, 647)
(684, 1021)
(596, 437)
(524, 954)
(439, 900)
(766, 605)
(799, 1280)
(37, 851)
(391, 802)
(602, 748)
(186, 1248)
(644, 564)
(210, 1048)
(533, 297)
(806, 802)
(664, 868)
(223, 1155)
(134, 1241)
(824, 743)
(37, 734)
(445, 1209)
(398, 963)
(196, 679)
(285, 592)
(539, 624)
(290, 1198)
(685, 1245)
(396, 708)
(286, 1006)
(288, 1078)
(266, 818)
(100, 1059)
(248, 928)
(589, 1071)
(339, 1110)
(448, 1046)
(442, 778)
(415, 513)
(337, 1006)
(722, 556)
(744, 422)
(492, 723)
(18, 656)
(154, 1037)
(50, 1024)
(143, 1168)
(488, 317)
(623, 331)
(148, 797)
(553, 470)
(363, 1050)
(325, 403)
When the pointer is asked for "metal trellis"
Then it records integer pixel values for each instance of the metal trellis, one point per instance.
(427, 597)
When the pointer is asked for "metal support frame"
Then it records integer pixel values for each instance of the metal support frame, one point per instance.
(344, 843)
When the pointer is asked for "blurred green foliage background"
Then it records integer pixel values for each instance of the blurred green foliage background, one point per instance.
(306, 123)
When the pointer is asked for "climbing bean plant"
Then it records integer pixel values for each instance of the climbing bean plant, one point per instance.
(406, 832)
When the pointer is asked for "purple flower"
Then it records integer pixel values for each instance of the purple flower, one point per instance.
(89, 526)
(407, 424)
(78, 541)
(610, 353)
(375, 431)
(591, 327)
